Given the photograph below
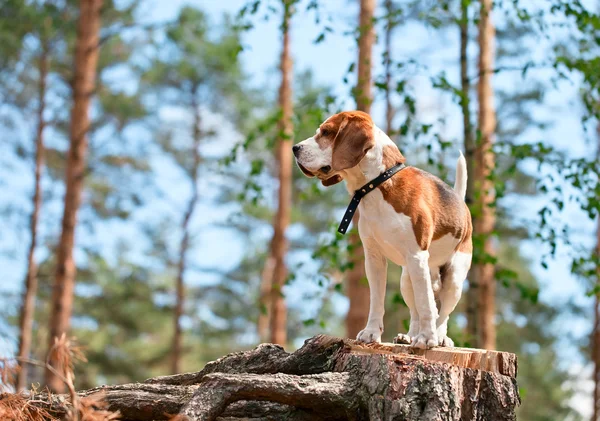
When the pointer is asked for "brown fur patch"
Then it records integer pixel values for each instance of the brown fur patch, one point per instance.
(331, 181)
(350, 133)
(466, 245)
(392, 156)
(433, 207)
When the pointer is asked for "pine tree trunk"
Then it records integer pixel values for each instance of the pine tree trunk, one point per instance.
(84, 79)
(469, 144)
(357, 287)
(485, 162)
(266, 284)
(184, 245)
(279, 245)
(595, 340)
(31, 280)
(389, 29)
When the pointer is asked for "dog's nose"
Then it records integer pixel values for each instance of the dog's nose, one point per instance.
(296, 149)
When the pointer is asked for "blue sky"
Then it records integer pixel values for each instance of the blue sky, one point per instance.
(329, 62)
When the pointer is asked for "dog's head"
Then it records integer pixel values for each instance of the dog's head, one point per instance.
(340, 143)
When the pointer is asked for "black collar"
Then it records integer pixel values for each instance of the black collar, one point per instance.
(362, 192)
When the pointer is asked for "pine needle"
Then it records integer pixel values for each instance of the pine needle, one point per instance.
(8, 370)
(17, 407)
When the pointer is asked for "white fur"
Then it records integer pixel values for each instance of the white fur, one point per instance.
(460, 184)
(387, 234)
(312, 157)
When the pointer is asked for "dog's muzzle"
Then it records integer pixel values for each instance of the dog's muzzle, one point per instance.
(304, 170)
(296, 149)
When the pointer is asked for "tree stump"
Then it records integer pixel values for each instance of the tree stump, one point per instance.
(327, 379)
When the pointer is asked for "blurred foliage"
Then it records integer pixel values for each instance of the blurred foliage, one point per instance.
(153, 78)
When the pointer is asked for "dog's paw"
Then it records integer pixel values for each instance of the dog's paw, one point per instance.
(446, 341)
(369, 335)
(423, 341)
(402, 338)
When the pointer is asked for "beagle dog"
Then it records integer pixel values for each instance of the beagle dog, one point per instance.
(412, 218)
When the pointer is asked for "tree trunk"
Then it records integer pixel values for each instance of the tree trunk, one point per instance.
(357, 286)
(363, 94)
(279, 244)
(266, 285)
(84, 79)
(184, 245)
(595, 339)
(469, 144)
(31, 281)
(484, 157)
(389, 29)
(327, 379)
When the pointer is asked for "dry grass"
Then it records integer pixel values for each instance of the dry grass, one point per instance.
(64, 353)
(8, 371)
(17, 407)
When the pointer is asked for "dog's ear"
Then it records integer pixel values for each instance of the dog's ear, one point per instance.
(331, 180)
(352, 142)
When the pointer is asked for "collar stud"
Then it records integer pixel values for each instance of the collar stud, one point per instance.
(363, 191)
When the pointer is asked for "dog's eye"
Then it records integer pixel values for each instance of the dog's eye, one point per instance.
(325, 132)
(325, 169)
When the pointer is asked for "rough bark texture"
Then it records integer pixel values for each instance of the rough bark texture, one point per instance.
(327, 379)
(278, 322)
(31, 280)
(357, 287)
(84, 78)
(483, 226)
(184, 245)
(469, 144)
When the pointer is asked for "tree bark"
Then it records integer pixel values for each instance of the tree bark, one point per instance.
(485, 219)
(266, 285)
(279, 246)
(357, 286)
(31, 280)
(389, 107)
(184, 245)
(86, 60)
(327, 379)
(469, 144)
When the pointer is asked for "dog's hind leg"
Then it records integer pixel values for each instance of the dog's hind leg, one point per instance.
(452, 283)
(418, 269)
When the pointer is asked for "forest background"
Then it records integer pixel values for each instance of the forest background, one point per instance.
(195, 236)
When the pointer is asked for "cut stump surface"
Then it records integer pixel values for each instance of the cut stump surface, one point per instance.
(504, 363)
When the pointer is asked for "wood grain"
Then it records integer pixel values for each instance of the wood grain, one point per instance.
(503, 363)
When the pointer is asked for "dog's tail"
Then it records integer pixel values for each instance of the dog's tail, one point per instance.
(460, 185)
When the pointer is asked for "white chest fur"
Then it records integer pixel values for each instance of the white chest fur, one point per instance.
(393, 232)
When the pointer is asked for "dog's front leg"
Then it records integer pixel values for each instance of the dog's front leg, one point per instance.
(376, 268)
(418, 269)
(409, 298)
